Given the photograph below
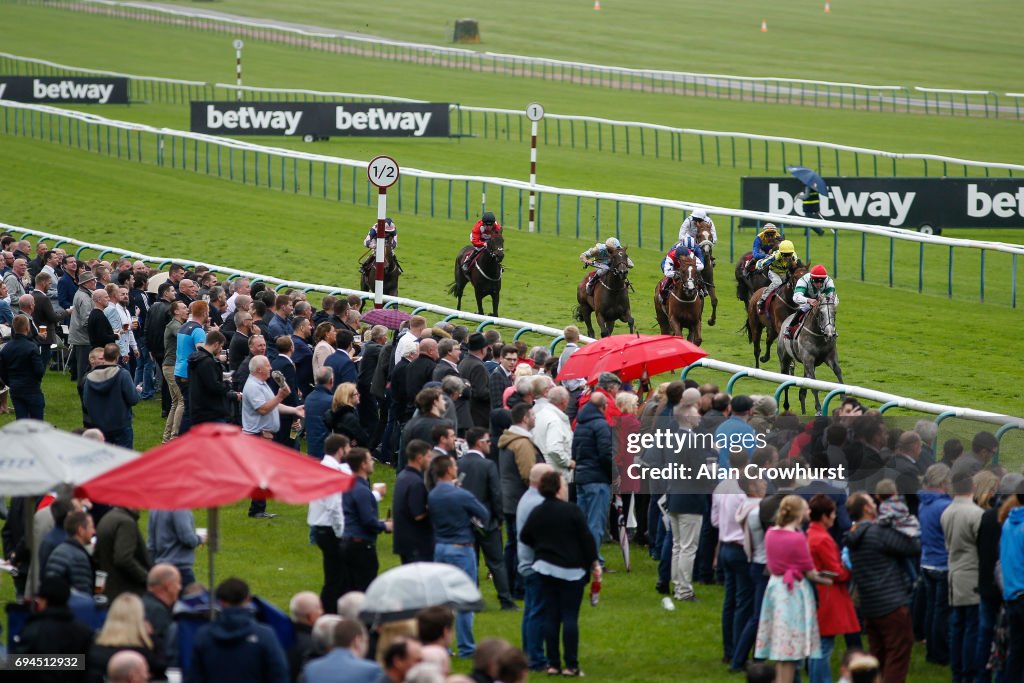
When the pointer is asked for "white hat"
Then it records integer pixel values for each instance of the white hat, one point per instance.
(700, 215)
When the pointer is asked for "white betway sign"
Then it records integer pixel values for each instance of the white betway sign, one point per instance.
(321, 119)
(80, 90)
(898, 202)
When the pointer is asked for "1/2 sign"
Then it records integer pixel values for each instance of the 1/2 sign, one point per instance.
(382, 171)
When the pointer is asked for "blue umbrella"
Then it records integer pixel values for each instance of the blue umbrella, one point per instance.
(809, 178)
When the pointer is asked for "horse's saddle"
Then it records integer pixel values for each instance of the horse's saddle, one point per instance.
(792, 330)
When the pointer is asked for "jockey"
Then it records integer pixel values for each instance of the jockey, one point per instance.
(765, 241)
(390, 233)
(781, 262)
(599, 256)
(484, 229)
(686, 246)
(697, 221)
(809, 288)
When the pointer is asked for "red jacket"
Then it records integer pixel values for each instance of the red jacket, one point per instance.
(611, 411)
(482, 233)
(622, 427)
(836, 614)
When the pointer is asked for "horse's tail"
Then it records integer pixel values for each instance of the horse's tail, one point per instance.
(576, 315)
(452, 288)
(750, 332)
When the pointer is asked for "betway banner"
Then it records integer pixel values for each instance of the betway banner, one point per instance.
(76, 89)
(899, 202)
(322, 119)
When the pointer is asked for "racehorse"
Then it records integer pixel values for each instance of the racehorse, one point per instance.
(812, 343)
(392, 271)
(780, 306)
(610, 297)
(749, 282)
(684, 306)
(484, 274)
(704, 242)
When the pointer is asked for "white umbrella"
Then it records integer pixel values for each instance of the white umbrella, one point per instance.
(35, 457)
(401, 592)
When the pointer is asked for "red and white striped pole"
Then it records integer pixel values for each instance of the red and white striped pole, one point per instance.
(535, 113)
(382, 172)
(238, 68)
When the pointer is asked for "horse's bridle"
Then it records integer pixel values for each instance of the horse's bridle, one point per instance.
(692, 285)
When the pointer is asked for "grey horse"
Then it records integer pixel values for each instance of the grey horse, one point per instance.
(813, 343)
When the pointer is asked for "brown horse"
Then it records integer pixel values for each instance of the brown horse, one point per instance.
(609, 298)
(684, 307)
(392, 271)
(485, 274)
(748, 282)
(707, 248)
(778, 309)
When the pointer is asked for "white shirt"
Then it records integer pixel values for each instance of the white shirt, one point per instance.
(405, 345)
(552, 434)
(689, 227)
(327, 511)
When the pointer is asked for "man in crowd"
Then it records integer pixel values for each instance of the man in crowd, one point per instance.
(98, 327)
(304, 609)
(960, 524)
(517, 454)
(108, 395)
(284, 364)
(453, 513)
(983, 447)
(121, 552)
(163, 585)
(533, 602)
(414, 536)
(472, 369)
(370, 355)
(878, 554)
(235, 647)
(317, 404)
(238, 348)
(173, 540)
(399, 658)
(127, 666)
(736, 430)
(345, 662)
(480, 477)
(261, 409)
(501, 378)
(45, 315)
(189, 337)
(156, 324)
(68, 283)
(362, 524)
(592, 451)
(70, 560)
(22, 369)
(552, 432)
(210, 394)
(52, 628)
(327, 520)
(15, 282)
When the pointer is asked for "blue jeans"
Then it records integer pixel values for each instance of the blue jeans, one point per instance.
(665, 558)
(745, 640)
(739, 594)
(655, 527)
(145, 371)
(124, 438)
(463, 557)
(594, 500)
(963, 641)
(936, 621)
(28, 405)
(820, 670)
(533, 620)
(988, 612)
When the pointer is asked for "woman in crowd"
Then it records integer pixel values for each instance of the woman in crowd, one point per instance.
(989, 494)
(788, 631)
(836, 614)
(343, 417)
(124, 629)
(565, 553)
(325, 336)
(753, 545)
(629, 487)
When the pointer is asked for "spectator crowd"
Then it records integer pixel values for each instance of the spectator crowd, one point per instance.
(496, 462)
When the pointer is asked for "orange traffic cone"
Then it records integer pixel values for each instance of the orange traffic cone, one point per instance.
(828, 8)
(764, 26)
(597, 5)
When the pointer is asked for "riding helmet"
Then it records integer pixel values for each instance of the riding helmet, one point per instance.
(786, 247)
(487, 218)
(700, 215)
(818, 272)
(612, 243)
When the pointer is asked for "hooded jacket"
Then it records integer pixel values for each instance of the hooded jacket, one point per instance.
(109, 394)
(237, 648)
(592, 447)
(877, 554)
(53, 631)
(21, 365)
(208, 392)
(1011, 554)
(931, 505)
(516, 457)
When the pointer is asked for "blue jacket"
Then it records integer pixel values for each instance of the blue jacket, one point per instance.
(343, 367)
(317, 403)
(279, 327)
(6, 312)
(66, 289)
(734, 429)
(190, 335)
(237, 648)
(930, 507)
(451, 509)
(758, 250)
(592, 447)
(341, 666)
(108, 396)
(360, 509)
(21, 365)
(1011, 554)
(172, 537)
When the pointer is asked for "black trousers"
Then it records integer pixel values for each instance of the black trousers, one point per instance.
(361, 565)
(334, 567)
(490, 545)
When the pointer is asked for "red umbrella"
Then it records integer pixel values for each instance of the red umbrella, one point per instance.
(647, 356)
(582, 360)
(210, 466)
(214, 465)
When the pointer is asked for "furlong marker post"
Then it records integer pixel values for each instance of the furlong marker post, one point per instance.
(238, 44)
(535, 113)
(382, 172)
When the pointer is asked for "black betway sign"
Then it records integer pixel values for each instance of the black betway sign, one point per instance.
(322, 119)
(64, 89)
(899, 202)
